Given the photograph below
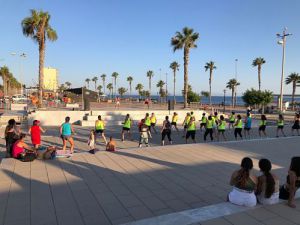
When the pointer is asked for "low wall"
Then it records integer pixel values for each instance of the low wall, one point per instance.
(56, 118)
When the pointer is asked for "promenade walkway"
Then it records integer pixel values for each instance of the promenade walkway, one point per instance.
(134, 184)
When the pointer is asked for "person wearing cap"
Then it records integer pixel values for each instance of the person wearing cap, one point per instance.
(35, 132)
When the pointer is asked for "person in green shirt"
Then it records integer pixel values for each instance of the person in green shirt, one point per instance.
(238, 127)
(280, 125)
(209, 128)
(191, 130)
(185, 123)
(148, 124)
(203, 121)
(221, 128)
(99, 128)
(231, 120)
(126, 127)
(262, 126)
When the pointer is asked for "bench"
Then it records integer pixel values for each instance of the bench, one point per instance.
(72, 106)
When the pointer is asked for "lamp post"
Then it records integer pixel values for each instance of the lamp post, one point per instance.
(282, 42)
(166, 87)
(236, 64)
(224, 100)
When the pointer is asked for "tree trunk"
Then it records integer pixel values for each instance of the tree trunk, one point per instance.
(232, 97)
(186, 63)
(104, 86)
(95, 86)
(115, 86)
(150, 87)
(130, 88)
(259, 78)
(174, 85)
(41, 70)
(210, 77)
(293, 95)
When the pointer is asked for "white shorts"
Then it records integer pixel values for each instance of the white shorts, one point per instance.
(241, 197)
(274, 199)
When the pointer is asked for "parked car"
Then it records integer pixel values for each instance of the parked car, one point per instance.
(19, 98)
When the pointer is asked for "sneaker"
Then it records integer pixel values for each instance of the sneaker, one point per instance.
(140, 145)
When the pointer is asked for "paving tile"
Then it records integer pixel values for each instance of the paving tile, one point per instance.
(242, 218)
(130, 200)
(261, 214)
(219, 221)
(177, 205)
(140, 212)
(153, 203)
(278, 221)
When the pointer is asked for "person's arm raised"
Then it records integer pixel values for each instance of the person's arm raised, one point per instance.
(292, 189)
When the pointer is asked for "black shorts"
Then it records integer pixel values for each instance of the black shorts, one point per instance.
(247, 128)
(174, 123)
(295, 127)
(99, 131)
(262, 128)
(153, 124)
(149, 127)
(280, 127)
(191, 133)
(231, 121)
(203, 124)
(185, 126)
(126, 128)
(221, 131)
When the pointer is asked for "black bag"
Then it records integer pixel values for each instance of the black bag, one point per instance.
(283, 193)
(29, 157)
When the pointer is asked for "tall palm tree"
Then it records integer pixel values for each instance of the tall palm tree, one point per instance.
(87, 80)
(293, 79)
(68, 84)
(150, 74)
(175, 67)
(37, 26)
(95, 79)
(210, 66)
(139, 87)
(110, 88)
(130, 79)
(103, 76)
(160, 84)
(122, 91)
(4, 73)
(258, 62)
(232, 85)
(99, 88)
(186, 41)
(115, 76)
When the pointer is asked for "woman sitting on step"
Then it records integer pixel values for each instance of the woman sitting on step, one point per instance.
(268, 184)
(244, 185)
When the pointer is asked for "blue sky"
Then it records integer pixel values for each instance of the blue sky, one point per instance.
(133, 36)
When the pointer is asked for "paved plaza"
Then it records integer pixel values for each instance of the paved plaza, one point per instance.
(134, 184)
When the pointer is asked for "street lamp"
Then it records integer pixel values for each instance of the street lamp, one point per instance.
(224, 100)
(22, 55)
(282, 42)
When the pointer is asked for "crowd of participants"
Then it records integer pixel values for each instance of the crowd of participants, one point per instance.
(248, 189)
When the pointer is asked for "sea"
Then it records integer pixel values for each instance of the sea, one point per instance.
(216, 100)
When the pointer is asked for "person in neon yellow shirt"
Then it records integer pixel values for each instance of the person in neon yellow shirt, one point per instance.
(238, 127)
(209, 128)
(99, 128)
(221, 128)
(126, 127)
(148, 124)
(203, 121)
(280, 125)
(231, 120)
(174, 121)
(153, 122)
(191, 130)
(185, 123)
(262, 125)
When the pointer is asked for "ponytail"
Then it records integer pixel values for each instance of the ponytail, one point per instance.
(242, 177)
(270, 184)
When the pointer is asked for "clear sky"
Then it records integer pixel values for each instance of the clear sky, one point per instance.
(133, 36)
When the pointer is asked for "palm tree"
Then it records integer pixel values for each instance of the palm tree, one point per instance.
(160, 84)
(115, 76)
(110, 88)
(99, 88)
(37, 26)
(122, 91)
(150, 74)
(175, 67)
(95, 79)
(87, 80)
(139, 88)
(210, 66)
(4, 73)
(293, 79)
(103, 76)
(68, 84)
(232, 84)
(258, 62)
(61, 88)
(130, 79)
(186, 41)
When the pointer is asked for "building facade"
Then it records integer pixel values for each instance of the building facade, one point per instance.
(50, 79)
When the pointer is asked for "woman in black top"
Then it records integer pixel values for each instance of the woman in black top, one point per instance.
(11, 136)
(296, 125)
(288, 190)
(166, 131)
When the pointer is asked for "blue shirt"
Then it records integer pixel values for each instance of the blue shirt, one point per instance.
(248, 122)
(66, 129)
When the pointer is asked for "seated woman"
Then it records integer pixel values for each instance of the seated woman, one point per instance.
(288, 190)
(268, 184)
(20, 148)
(244, 185)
